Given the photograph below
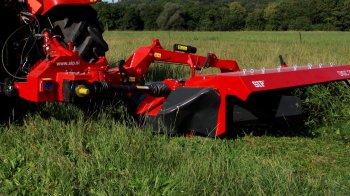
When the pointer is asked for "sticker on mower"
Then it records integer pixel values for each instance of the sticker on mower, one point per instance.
(68, 63)
(259, 83)
(344, 73)
(157, 55)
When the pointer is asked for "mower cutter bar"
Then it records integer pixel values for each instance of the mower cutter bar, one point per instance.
(216, 101)
(243, 83)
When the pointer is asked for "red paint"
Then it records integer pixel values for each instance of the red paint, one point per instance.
(43, 6)
(61, 64)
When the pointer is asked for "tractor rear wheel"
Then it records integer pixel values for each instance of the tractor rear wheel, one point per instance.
(79, 25)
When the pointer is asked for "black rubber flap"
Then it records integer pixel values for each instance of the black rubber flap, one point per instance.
(263, 109)
(189, 110)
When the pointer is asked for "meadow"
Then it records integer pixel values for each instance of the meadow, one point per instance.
(61, 150)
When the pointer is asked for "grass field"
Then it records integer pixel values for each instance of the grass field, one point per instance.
(60, 150)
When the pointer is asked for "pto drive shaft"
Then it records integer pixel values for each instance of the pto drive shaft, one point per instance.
(76, 89)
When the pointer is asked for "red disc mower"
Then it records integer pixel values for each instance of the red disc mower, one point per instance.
(62, 59)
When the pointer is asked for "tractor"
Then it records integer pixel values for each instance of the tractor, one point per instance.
(21, 40)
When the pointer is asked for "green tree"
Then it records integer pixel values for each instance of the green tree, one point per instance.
(109, 15)
(172, 17)
(343, 15)
(209, 20)
(276, 17)
(300, 23)
(149, 14)
(255, 20)
(235, 18)
(322, 14)
(226, 14)
(195, 12)
(131, 20)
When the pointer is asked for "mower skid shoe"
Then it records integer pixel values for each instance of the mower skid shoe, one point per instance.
(189, 110)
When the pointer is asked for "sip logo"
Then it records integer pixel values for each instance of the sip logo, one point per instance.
(259, 83)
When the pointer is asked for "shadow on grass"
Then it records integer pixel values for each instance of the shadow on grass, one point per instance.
(14, 110)
(295, 129)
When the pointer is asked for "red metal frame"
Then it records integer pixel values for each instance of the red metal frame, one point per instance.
(44, 83)
(43, 6)
(138, 64)
(61, 64)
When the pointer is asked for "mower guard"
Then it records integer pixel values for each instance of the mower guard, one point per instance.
(189, 109)
(214, 104)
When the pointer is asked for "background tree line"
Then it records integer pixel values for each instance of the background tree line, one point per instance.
(226, 15)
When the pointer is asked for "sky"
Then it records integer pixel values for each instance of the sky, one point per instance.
(110, 1)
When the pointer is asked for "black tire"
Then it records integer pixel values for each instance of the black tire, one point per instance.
(10, 57)
(79, 25)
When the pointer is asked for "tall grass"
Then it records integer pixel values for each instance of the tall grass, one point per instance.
(50, 156)
(250, 49)
(61, 150)
(328, 110)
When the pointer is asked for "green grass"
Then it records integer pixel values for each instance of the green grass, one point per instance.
(59, 150)
(250, 49)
